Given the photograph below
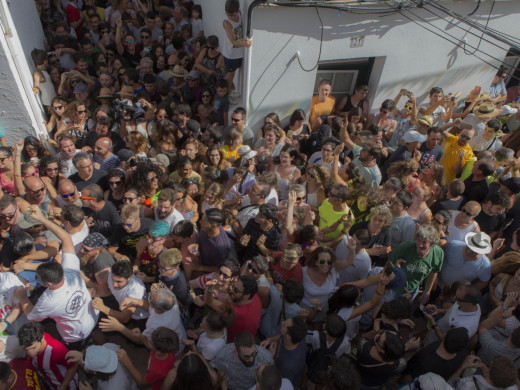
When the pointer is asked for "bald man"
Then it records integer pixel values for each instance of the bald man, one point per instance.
(36, 193)
(103, 154)
(68, 194)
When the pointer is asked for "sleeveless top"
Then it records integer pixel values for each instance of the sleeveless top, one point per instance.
(7, 186)
(47, 92)
(210, 63)
(418, 219)
(458, 234)
(283, 184)
(312, 199)
(349, 106)
(228, 50)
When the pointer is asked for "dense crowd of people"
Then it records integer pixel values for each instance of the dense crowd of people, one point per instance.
(155, 240)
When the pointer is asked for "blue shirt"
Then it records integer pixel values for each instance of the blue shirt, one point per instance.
(456, 268)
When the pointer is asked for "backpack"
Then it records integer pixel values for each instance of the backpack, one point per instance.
(318, 361)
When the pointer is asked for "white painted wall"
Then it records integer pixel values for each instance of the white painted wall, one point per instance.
(409, 56)
(19, 110)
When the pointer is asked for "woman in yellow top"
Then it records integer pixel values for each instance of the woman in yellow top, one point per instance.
(234, 141)
(335, 216)
(322, 104)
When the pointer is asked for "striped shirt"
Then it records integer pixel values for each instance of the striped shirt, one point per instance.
(52, 365)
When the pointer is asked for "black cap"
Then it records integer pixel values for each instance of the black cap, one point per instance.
(513, 184)
(124, 154)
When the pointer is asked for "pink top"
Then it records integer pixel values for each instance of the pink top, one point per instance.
(7, 186)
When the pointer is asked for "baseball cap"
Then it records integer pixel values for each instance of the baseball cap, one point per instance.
(413, 136)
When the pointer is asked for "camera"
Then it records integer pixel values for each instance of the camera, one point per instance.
(125, 109)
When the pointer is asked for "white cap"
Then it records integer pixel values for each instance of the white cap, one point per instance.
(413, 136)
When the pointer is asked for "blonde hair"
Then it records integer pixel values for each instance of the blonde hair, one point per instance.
(171, 257)
(508, 263)
(293, 251)
(381, 210)
(137, 142)
(130, 211)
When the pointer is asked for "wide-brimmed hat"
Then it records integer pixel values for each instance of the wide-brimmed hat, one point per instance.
(179, 71)
(426, 120)
(100, 359)
(478, 242)
(105, 93)
(413, 136)
(27, 222)
(486, 110)
(126, 90)
(245, 151)
(193, 75)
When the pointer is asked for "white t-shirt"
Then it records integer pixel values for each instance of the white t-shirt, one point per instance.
(358, 270)
(8, 283)
(323, 292)
(69, 305)
(210, 347)
(171, 219)
(459, 319)
(134, 289)
(352, 323)
(478, 124)
(170, 319)
(436, 114)
(79, 237)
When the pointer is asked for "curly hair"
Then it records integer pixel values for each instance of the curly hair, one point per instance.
(381, 210)
(139, 178)
(402, 170)
(312, 261)
(322, 176)
(45, 161)
(33, 141)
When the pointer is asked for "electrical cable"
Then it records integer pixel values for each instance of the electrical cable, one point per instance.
(476, 8)
(321, 45)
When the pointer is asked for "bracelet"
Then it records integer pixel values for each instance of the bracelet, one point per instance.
(7, 323)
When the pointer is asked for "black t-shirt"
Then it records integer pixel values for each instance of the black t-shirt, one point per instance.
(448, 205)
(272, 240)
(384, 238)
(180, 286)
(100, 263)
(489, 223)
(7, 253)
(426, 360)
(476, 190)
(126, 242)
(105, 220)
(98, 177)
(372, 371)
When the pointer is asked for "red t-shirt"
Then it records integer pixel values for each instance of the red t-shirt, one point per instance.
(280, 275)
(247, 318)
(52, 365)
(26, 375)
(158, 369)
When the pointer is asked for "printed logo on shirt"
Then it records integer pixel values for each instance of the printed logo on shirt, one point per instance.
(5, 309)
(75, 303)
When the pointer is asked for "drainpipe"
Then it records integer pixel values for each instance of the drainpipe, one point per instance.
(247, 79)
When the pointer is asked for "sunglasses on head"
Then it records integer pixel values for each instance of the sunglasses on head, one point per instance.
(35, 173)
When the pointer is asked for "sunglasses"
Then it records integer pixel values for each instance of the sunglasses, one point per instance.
(130, 199)
(114, 183)
(192, 181)
(105, 32)
(205, 96)
(235, 119)
(85, 249)
(225, 276)
(152, 178)
(128, 225)
(299, 198)
(252, 269)
(145, 36)
(65, 196)
(35, 192)
(51, 169)
(35, 173)
(57, 107)
(328, 262)
(167, 269)
(129, 41)
(464, 136)
(408, 107)
(3, 216)
(81, 111)
(88, 198)
(467, 213)
(30, 149)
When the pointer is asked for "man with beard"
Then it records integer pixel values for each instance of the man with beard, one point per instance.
(101, 216)
(246, 305)
(165, 210)
(457, 153)
(104, 156)
(95, 264)
(367, 164)
(126, 235)
(423, 260)
(124, 284)
(238, 362)
(102, 130)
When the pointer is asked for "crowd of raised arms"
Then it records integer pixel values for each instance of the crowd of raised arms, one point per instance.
(155, 240)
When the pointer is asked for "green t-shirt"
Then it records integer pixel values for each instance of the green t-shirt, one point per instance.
(417, 269)
(328, 216)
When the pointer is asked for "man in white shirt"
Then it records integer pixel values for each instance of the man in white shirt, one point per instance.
(124, 284)
(165, 210)
(435, 107)
(66, 299)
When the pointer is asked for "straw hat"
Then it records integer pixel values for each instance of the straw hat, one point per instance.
(105, 93)
(126, 90)
(486, 110)
(426, 120)
(179, 71)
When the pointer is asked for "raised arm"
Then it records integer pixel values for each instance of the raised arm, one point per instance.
(66, 241)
